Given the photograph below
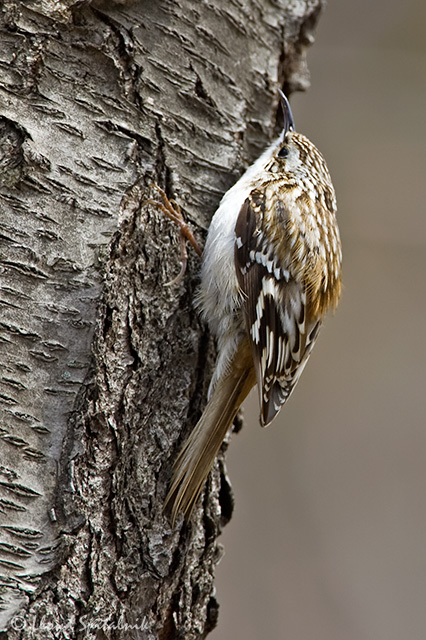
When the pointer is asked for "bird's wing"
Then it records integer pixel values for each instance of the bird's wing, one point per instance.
(277, 319)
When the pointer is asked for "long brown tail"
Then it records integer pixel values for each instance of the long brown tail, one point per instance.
(198, 453)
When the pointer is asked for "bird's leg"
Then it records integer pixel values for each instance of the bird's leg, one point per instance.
(173, 211)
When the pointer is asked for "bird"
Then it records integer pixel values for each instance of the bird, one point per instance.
(271, 270)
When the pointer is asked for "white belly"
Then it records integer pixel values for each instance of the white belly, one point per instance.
(219, 297)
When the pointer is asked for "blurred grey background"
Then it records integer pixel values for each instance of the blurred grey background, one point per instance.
(328, 536)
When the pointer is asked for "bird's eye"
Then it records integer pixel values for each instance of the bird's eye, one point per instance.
(283, 152)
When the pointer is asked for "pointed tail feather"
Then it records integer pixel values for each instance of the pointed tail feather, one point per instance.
(199, 452)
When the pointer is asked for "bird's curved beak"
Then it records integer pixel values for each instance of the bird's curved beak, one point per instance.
(287, 114)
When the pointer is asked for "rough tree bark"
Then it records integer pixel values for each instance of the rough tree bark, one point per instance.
(104, 369)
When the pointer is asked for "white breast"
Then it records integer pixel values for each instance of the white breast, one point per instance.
(219, 296)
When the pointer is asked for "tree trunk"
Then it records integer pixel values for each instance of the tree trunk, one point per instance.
(104, 368)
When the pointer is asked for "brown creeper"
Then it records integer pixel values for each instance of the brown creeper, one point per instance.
(271, 270)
